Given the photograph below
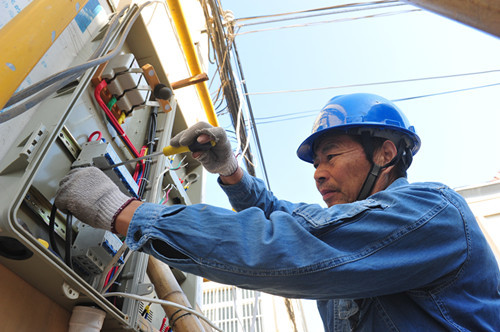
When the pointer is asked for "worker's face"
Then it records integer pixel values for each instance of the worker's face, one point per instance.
(341, 168)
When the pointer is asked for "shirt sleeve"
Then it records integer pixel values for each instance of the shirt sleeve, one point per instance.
(252, 192)
(367, 248)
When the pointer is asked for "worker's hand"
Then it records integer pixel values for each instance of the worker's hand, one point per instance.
(219, 158)
(90, 196)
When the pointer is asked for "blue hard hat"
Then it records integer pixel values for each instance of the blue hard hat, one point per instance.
(357, 113)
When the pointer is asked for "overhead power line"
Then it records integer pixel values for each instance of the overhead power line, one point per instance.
(375, 83)
(348, 10)
(330, 21)
(320, 14)
(311, 113)
(349, 5)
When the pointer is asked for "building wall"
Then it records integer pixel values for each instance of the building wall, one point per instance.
(241, 310)
(484, 201)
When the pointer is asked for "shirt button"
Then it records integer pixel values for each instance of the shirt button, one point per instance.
(137, 236)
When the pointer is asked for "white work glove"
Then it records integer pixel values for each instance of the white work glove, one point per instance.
(219, 159)
(91, 196)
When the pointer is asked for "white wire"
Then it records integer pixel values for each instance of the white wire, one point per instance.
(163, 302)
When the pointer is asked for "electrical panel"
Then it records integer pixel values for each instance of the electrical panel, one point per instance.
(73, 129)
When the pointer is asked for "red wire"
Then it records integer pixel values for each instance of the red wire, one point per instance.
(99, 136)
(112, 119)
(108, 277)
(163, 323)
(139, 166)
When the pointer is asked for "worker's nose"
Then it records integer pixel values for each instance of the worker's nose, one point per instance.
(320, 175)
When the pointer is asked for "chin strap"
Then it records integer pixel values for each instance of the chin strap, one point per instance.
(375, 169)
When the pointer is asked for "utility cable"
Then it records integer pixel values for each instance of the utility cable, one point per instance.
(446, 92)
(323, 14)
(114, 123)
(393, 100)
(52, 230)
(37, 87)
(77, 70)
(330, 21)
(163, 302)
(358, 4)
(69, 240)
(374, 83)
(123, 249)
(250, 110)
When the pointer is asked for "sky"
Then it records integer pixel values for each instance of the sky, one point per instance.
(459, 131)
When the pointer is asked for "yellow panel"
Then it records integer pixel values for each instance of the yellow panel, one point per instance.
(28, 36)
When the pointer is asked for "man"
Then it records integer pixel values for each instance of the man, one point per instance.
(385, 255)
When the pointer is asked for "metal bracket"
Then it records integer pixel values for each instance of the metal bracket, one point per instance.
(67, 139)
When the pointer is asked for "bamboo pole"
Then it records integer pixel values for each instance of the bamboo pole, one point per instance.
(168, 289)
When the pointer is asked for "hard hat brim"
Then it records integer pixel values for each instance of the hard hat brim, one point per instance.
(394, 133)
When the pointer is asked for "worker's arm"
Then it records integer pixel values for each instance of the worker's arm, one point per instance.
(390, 243)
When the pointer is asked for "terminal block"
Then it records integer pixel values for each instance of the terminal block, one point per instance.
(93, 249)
(125, 80)
(102, 155)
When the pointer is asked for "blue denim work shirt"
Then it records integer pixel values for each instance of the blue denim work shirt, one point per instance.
(409, 258)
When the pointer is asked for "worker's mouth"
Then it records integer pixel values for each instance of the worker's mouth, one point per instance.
(327, 194)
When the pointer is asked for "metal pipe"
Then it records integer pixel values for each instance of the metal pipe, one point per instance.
(27, 36)
(480, 14)
(192, 58)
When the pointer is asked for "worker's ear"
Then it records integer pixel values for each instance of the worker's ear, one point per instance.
(385, 153)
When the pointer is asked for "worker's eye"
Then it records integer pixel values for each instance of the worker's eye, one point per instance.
(315, 165)
(331, 156)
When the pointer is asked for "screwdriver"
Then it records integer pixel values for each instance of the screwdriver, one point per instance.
(168, 151)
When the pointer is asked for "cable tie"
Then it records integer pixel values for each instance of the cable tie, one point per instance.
(175, 313)
(172, 323)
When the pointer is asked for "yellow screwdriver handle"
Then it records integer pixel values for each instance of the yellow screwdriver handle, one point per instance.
(170, 150)
(195, 147)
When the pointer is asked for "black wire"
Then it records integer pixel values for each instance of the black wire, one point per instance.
(69, 240)
(252, 118)
(150, 144)
(52, 230)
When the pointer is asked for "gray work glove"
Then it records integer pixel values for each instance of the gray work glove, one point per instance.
(91, 196)
(220, 158)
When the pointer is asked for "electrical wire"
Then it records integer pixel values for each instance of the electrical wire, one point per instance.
(372, 7)
(122, 251)
(311, 113)
(52, 230)
(330, 21)
(150, 144)
(14, 111)
(375, 83)
(356, 4)
(37, 87)
(69, 240)
(73, 71)
(446, 92)
(163, 302)
(114, 123)
(250, 110)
